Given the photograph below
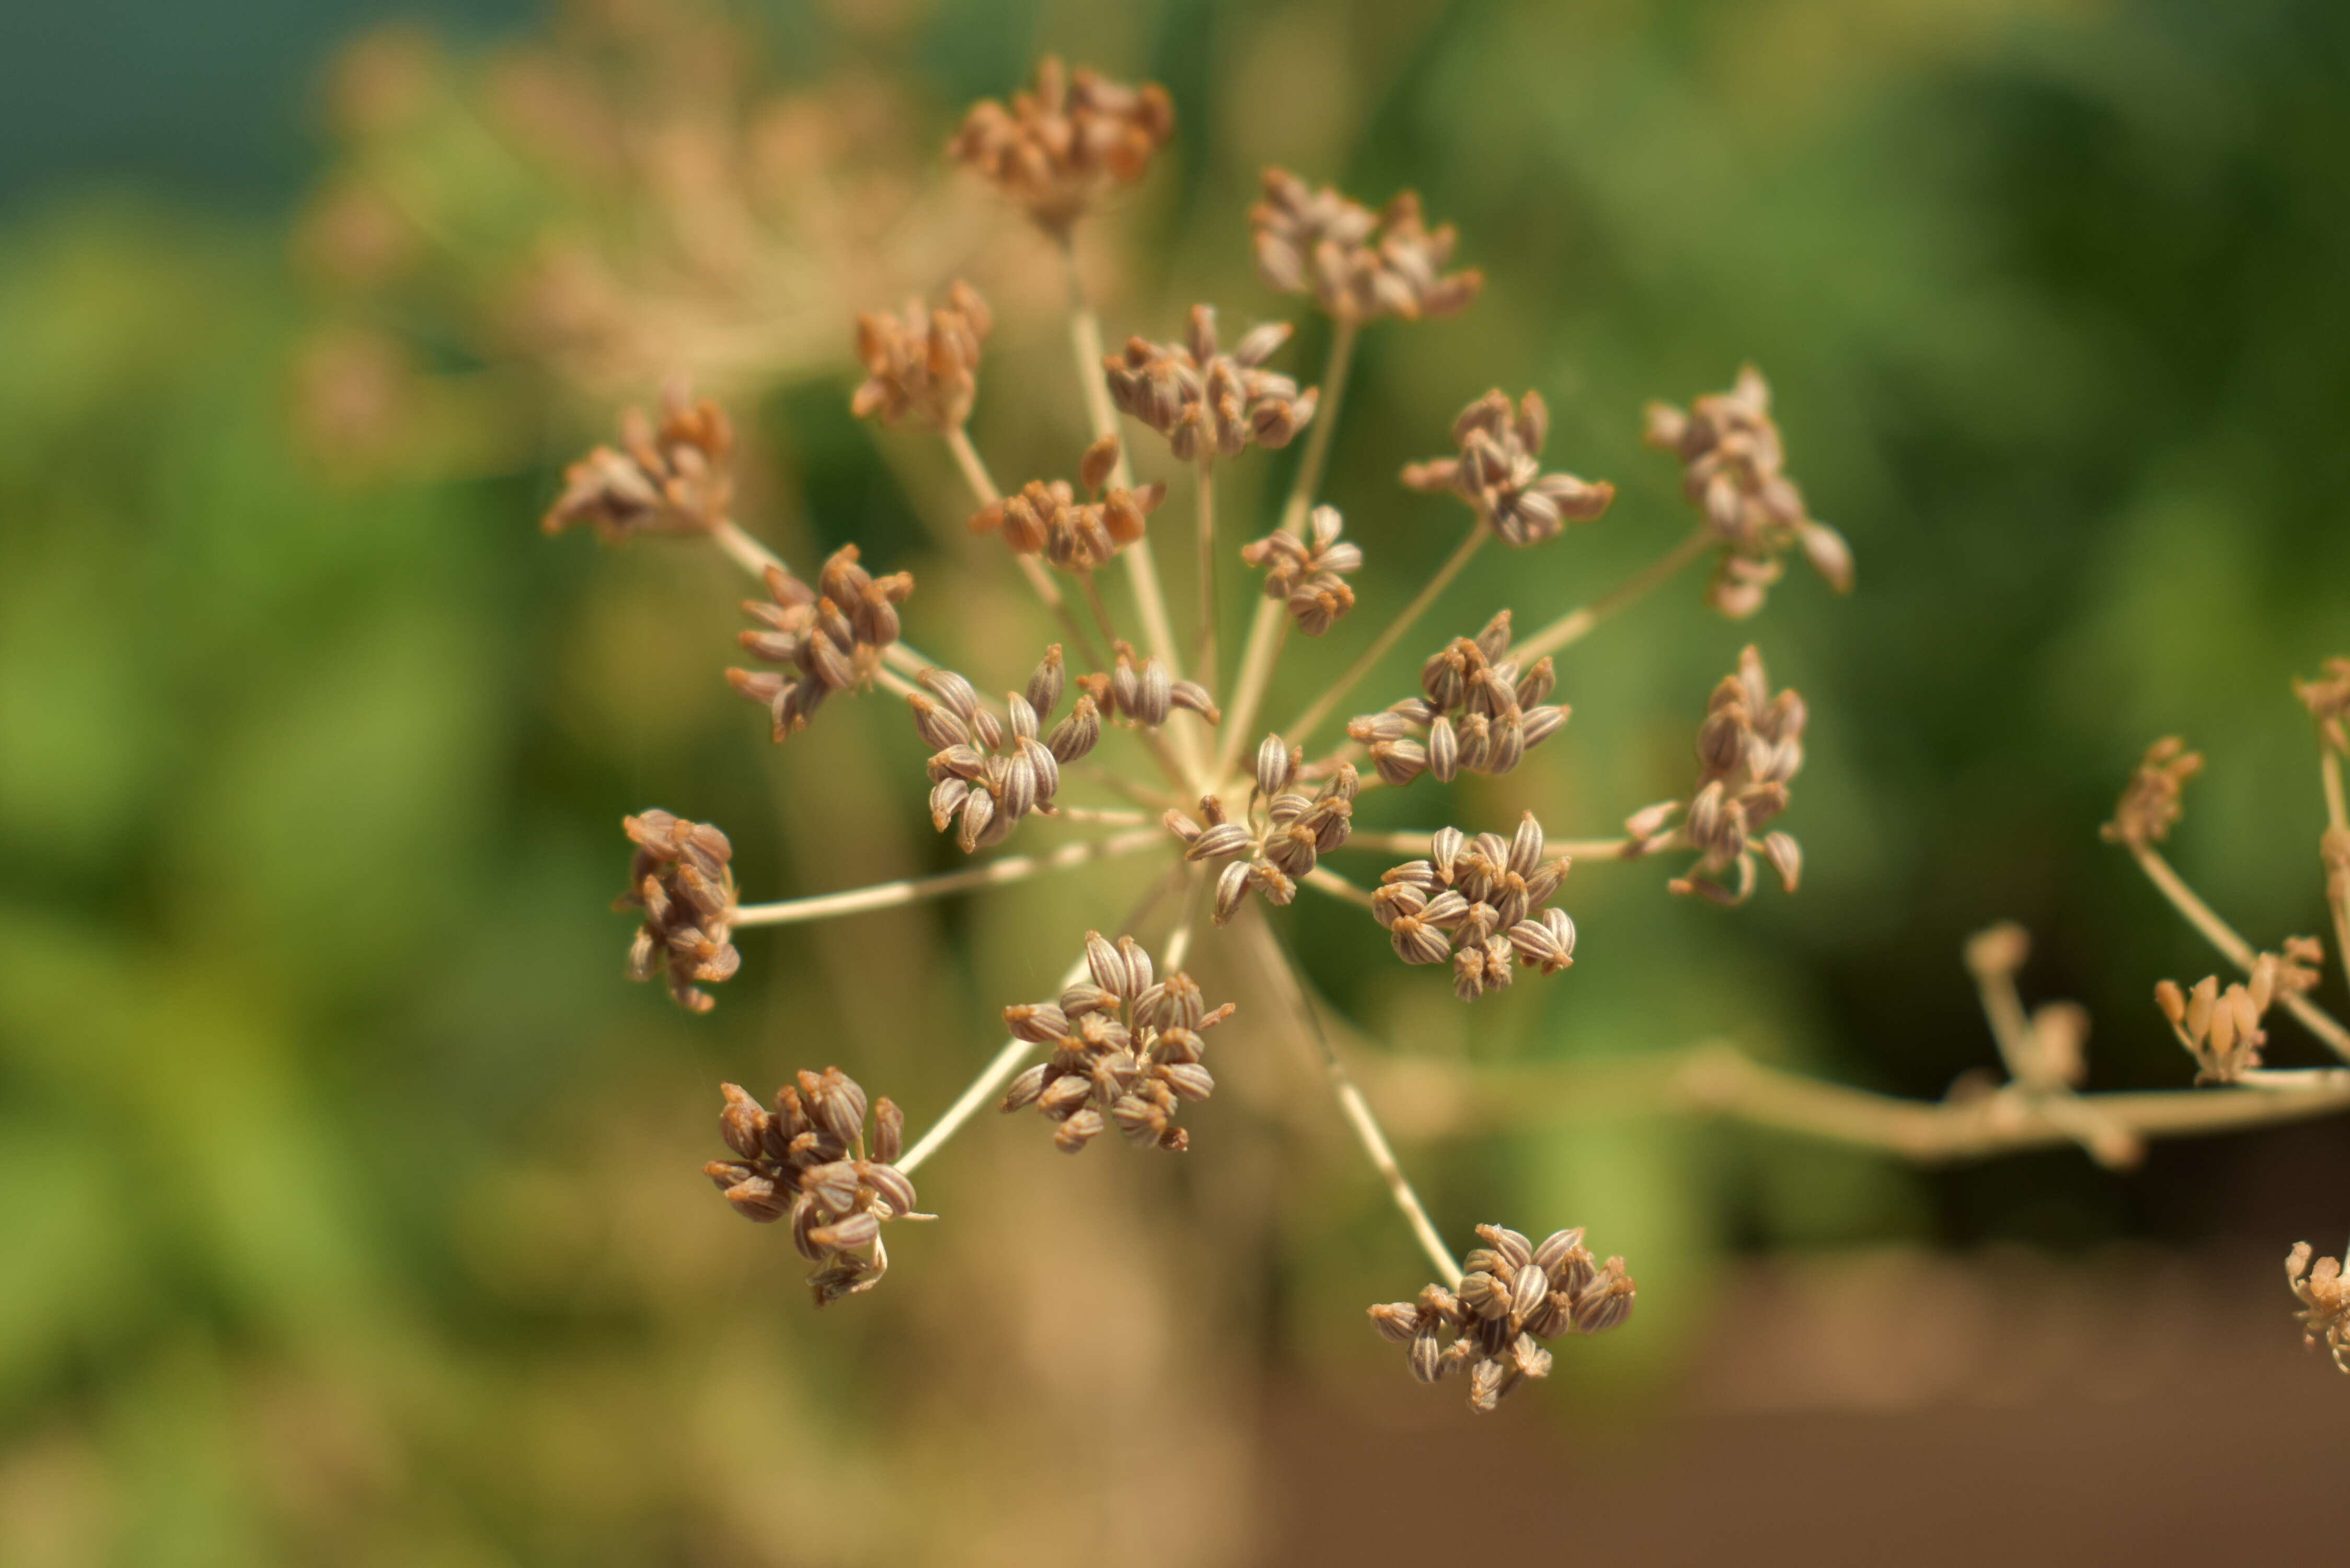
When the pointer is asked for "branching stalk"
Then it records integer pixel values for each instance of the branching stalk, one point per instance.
(1302, 728)
(2334, 852)
(2233, 946)
(1414, 842)
(913, 889)
(1279, 973)
(1206, 662)
(1575, 625)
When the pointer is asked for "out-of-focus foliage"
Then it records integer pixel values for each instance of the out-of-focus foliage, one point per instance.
(347, 1195)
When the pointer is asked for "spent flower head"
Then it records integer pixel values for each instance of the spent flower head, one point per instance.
(830, 637)
(1059, 148)
(1749, 748)
(2324, 1295)
(1284, 834)
(1512, 1296)
(989, 773)
(1138, 691)
(1478, 712)
(1206, 402)
(1126, 1051)
(922, 367)
(2327, 698)
(1499, 473)
(2149, 806)
(680, 878)
(1045, 516)
(1734, 470)
(809, 1157)
(2222, 1029)
(1308, 576)
(1480, 902)
(1357, 266)
(670, 477)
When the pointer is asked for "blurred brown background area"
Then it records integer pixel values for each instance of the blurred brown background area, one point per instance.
(348, 1196)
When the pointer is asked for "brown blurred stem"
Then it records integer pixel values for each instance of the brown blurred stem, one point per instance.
(1426, 1098)
(2334, 850)
(2234, 948)
(1577, 624)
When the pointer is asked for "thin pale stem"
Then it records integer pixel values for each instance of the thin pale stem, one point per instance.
(1108, 816)
(1322, 879)
(1206, 528)
(913, 889)
(1302, 727)
(1006, 1064)
(982, 485)
(1577, 624)
(1179, 941)
(1425, 1097)
(1101, 614)
(2108, 1143)
(1086, 343)
(1280, 974)
(2234, 948)
(1270, 628)
(1414, 842)
(2334, 850)
(1268, 632)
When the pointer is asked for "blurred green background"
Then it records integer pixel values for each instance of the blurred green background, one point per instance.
(348, 1199)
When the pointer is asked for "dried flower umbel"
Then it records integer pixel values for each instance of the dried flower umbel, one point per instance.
(1479, 903)
(1057, 150)
(2325, 1296)
(1126, 1049)
(1499, 473)
(1206, 402)
(673, 477)
(1749, 749)
(989, 773)
(809, 1159)
(2222, 1029)
(921, 368)
(1355, 264)
(1513, 1296)
(1045, 517)
(2150, 805)
(1734, 470)
(1307, 576)
(833, 640)
(681, 880)
(1119, 1046)
(1478, 713)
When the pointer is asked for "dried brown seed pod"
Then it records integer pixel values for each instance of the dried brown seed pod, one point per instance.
(1733, 472)
(1059, 148)
(1512, 1295)
(921, 366)
(1209, 404)
(680, 878)
(1499, 473)
(1749, 746)
(1356, 265)
(673, 476)
(1308, 576)
(1478, 713)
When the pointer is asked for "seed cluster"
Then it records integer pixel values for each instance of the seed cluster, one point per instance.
(1286, 830)
(1308, 576)
(1733, 471)
(2222, 1029)
(671, 477)
(1357, 264)
(1126, 1049)
(1140, 693)
(989, 773)
(1058, 148)
(679, 877)
(1478, 713)
(1479, 902)
(2150, 807)
(809, 1159)
(1749, 749)
(1499, 473)
(1513, 1295)
(921, 368)
(1208, 403)
(1044, 517)
(2327, 698)
(831, 639)
(2325, 1296)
